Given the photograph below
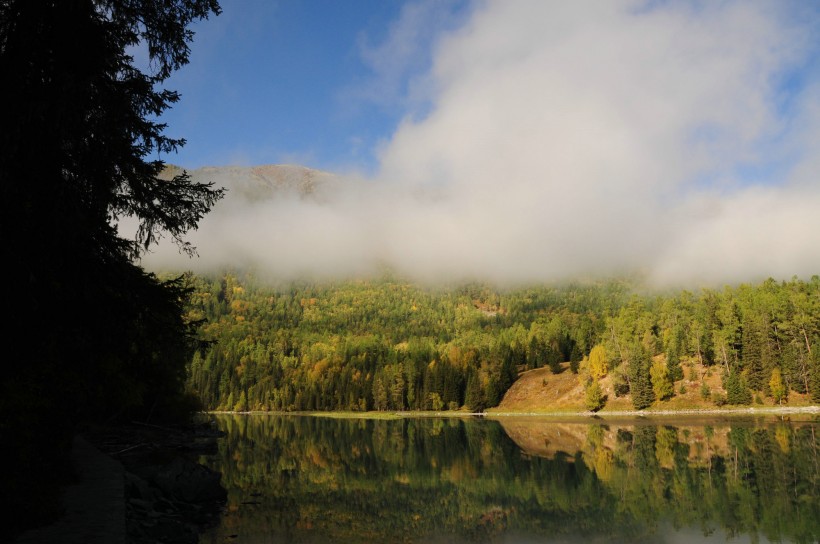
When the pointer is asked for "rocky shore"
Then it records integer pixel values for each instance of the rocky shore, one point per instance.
(169, 496)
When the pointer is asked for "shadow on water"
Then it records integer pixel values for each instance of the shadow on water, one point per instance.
(314, 479)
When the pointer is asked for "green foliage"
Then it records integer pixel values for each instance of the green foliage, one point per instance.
(620, 385)
(575, 359)
(594, 398)
(776, 386)
(814, 377)
(675, 346)
(718, 399)
(381, 344)
(474, 397)
(639, 378)
(391, 345)
(737, 390)
(661, 385)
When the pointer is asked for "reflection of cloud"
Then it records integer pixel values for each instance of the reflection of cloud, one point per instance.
(565, 140)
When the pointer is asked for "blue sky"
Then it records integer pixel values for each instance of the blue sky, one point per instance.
(515, 140)
(298, 81)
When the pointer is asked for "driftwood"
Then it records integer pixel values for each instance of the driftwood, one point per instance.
(129, 448)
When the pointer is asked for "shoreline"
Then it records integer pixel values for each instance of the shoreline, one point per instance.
(768, 410)
(638, 414)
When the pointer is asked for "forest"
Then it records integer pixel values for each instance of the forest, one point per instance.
(391, 344)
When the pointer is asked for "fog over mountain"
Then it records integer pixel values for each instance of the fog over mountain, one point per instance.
(670, 139)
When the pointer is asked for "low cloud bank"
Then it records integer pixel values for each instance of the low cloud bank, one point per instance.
(678, 140)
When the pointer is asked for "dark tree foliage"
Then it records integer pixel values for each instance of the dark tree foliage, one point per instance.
(92, 336)
(737, 390)
(673, 354)
(814, 385)
(640, 385)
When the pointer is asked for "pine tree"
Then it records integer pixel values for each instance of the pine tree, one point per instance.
(814, 379)
(79, 149)
(575, 358)
(473, 397)
(640, 384)
(752, 351)
(737, 391)
(673, 353)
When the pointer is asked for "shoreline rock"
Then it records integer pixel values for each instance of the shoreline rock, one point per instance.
(169, 496)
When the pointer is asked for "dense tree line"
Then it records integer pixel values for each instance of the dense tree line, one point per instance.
(388, 344)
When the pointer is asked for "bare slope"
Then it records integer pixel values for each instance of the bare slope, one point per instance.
(540, 390)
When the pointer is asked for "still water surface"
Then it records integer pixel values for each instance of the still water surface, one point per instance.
(306, 479)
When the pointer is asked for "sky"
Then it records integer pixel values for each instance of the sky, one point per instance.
(512, 141)
(315, 82)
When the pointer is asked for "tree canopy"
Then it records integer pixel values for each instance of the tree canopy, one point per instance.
(388, 344)
(93, 336)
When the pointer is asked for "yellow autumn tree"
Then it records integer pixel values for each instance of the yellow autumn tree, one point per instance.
(661, 384)
(598, 364)
(776, 385)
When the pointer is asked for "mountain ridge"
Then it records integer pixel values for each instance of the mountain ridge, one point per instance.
(261, 181)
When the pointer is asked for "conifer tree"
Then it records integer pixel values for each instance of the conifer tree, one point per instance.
(80, 149)
(640, 384)
(737, 390)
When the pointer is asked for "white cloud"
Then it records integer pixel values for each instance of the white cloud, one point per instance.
(578, 138)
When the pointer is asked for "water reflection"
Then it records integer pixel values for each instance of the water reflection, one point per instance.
(312, 479)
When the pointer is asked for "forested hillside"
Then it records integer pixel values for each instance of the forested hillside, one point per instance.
(389, 344)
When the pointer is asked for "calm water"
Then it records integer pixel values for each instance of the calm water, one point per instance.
(315, 479)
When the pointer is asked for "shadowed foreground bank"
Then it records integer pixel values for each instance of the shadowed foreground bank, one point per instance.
(94, 505)
(136, 484)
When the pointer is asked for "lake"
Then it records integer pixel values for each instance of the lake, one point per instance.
(309, 479)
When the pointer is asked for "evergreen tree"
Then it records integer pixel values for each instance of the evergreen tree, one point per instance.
(474, 398)
(673, 354)
(752, 352)
(814, 380)
(640, 384)
(737, 390)
(79, 150)
(575, 358)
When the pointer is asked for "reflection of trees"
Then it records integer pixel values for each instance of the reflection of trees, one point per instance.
(352, 480)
